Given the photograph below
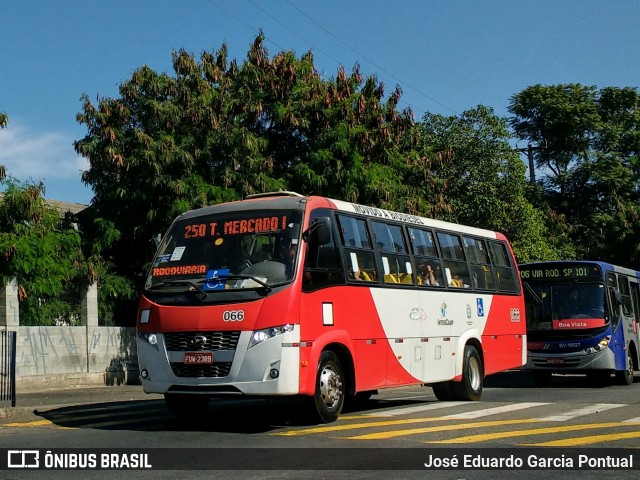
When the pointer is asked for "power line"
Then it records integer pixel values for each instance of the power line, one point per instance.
(371, 61)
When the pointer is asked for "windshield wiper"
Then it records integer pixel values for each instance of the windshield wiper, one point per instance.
(193, 285)
(530, 290)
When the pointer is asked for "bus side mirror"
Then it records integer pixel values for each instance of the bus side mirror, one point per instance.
(319, 232)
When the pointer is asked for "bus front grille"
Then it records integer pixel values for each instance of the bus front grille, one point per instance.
(214, 370)
(201, 341)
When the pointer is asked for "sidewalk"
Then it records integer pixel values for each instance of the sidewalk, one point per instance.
(29, 403)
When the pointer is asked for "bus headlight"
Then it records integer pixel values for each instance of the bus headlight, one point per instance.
(150, 338)
(604, 343)
(260, 336)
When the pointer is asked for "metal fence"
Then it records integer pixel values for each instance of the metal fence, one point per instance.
(8, 367)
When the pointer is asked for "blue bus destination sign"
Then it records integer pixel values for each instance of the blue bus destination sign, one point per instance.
(560, 271)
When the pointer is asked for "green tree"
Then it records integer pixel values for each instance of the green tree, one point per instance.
(43, 252)
(592, 140)
(485, 179)
(218, 131)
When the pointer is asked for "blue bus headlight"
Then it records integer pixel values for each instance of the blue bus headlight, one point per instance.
(260, 336)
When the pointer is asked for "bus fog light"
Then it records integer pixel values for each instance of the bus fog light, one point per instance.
(274, 373)
(144, 373)
(152, 339)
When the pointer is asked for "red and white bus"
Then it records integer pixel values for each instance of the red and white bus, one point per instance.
(282, 294)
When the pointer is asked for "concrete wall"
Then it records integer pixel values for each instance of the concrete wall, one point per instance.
(67, 356)
(62, 357)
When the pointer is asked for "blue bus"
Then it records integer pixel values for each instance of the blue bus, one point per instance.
(582, 317)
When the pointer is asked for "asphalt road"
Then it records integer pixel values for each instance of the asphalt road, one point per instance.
(395, 432)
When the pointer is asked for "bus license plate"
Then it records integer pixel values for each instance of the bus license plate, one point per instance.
(198, 357)
(555, 361)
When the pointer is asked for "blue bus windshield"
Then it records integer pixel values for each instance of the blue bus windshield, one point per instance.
(562, 307)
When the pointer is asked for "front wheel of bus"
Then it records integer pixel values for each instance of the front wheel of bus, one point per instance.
(329, 395)
(625, 377)
(470, 388)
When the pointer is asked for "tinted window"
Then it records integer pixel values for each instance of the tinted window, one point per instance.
(505, 278)
(422, 242)
(354, 232)
(480, 268)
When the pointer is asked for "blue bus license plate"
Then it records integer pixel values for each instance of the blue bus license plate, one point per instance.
(555, 361)
(198, 357)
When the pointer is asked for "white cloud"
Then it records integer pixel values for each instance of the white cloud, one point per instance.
(29, 155)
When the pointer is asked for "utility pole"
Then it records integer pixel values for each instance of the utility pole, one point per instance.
(529, 151)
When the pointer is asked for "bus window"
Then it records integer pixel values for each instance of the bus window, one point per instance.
(625, 293)
(429, 272)
(354, 232)
(389, 237)
(396, 264)
(504, 271)
(481, 271)
(428, 266)
(456, 269)
(361, 266)
(450, 246)
(322, 263)
(422, 242)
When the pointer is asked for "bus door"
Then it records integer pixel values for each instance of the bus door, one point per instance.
(628, 320)
(633, 332)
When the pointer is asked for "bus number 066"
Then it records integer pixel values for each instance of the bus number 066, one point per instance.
(233, 315)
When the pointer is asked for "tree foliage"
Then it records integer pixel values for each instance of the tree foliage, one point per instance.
(484, 179)
(218, 131)
(43, 253)
(592, 142)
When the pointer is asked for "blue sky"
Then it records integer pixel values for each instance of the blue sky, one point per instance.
(447, 55)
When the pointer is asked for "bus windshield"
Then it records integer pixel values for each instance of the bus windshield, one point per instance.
(239, 250)
(564, 306)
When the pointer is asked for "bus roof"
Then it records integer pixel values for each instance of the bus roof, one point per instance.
(285, 200)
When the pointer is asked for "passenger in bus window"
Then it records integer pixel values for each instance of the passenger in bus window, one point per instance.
(360, 275)
(426, 275)
(457, 281)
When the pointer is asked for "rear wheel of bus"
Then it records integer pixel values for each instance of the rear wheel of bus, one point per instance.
(470, 387)
(329, 395)
(186, 406)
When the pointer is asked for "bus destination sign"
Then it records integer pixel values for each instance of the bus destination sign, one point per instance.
(560, 271)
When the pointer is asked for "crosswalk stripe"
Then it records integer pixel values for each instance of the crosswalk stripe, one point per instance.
(590, 440)
(439, 428)
(493, 411)
(414, 409)
(632, 420)
(588, 410)
(521, 433)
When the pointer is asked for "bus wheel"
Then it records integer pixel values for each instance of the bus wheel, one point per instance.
(625, 377)
(330, 389)
(186, 406)
(470, 388)
(541, 378)
(442, 391)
